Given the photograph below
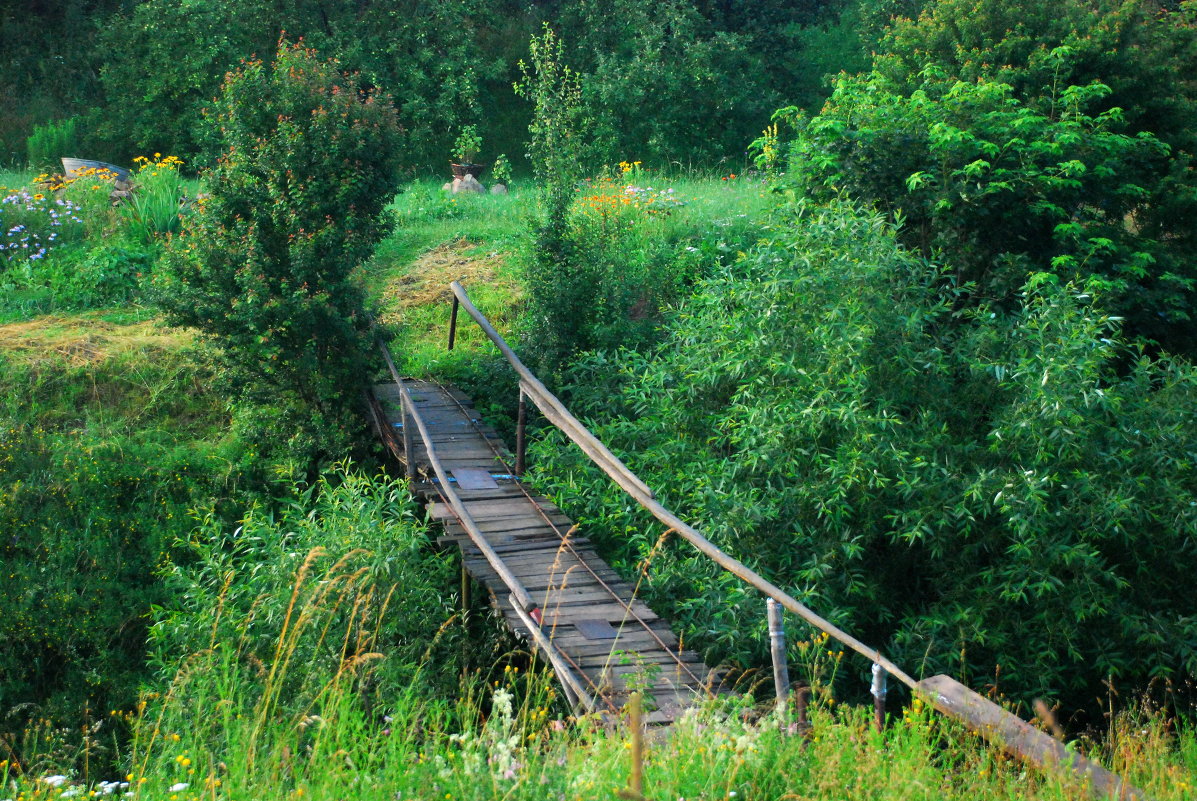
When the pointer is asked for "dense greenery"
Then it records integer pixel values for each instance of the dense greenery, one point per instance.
(109, 444)
(687, 80)
(927, 366)
(265, 268)
(970, 489)
(1015, 138)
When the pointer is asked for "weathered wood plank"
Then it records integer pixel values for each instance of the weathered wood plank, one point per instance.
(1021, 739)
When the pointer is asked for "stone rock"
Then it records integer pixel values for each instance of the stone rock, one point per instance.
(467, 184)
(498, 189)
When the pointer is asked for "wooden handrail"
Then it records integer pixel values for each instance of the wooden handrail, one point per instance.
(518, 592)
(555, 411)
(550, 406)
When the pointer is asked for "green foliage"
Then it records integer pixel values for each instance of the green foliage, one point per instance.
(1001, 188)
(662, 84)
(265, 269)
(156, 206)
(500, 173)
(554, 89)
(32, 224)
(967, 490)
(339, 579)
(1040, 48)
(104, 456)
(51, 142)
(468, 143)
(166, 62)
(168, 58)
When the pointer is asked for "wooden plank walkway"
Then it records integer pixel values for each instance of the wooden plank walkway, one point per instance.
(590, 613)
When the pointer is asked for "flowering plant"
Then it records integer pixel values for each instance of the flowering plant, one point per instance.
(33, 223)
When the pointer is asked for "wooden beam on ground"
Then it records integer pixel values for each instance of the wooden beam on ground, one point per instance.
(1021, 739)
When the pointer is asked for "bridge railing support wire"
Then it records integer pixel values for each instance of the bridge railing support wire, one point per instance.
(944, 693)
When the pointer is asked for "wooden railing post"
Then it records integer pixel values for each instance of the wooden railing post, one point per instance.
(453, 323)
(777, 648)
(878, 692)
(521, 441)
(409, 455)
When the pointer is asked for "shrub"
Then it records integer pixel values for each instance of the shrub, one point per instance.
(999, 188)
(1037, 48)
(995, 492)
(51, 142)
(265, 269)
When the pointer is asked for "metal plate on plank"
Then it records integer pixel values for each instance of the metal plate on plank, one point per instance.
(596, 629)
(474, 478)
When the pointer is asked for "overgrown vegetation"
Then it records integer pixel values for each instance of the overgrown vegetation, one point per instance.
(683, 81)
(966, 489)
(265, 267)
(927, 366)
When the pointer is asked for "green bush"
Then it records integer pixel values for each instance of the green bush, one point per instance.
(49, 143)
(265, 269)
(1000, 188)
(1001, 494)
(1147, 206)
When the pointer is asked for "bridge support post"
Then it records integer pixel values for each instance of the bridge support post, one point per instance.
(878, 692)
(521, 442)
(409, 456)
(777, 648)
(453, 323)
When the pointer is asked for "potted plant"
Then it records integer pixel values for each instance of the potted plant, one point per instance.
(465, 150)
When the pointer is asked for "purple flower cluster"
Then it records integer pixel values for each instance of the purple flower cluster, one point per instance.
(32, 224)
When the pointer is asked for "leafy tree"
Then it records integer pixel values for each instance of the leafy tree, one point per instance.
(661, 83)
(971, 490)
(265, 270)
(555, 279)
(1039, 48)
(166, 62)
(1002, 188)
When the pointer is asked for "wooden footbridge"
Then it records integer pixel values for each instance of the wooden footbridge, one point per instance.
(546, 578)
(555, 590)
